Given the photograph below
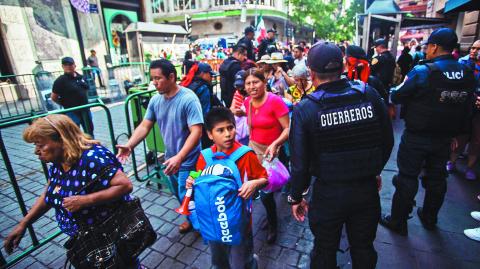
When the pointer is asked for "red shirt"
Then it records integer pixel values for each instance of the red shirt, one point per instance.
(266, 127)
(248, 164)
(237, 100)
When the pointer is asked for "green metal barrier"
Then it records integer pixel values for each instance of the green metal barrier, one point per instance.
(137, 102)
(11, 173)
(89, 77)
(19, 97)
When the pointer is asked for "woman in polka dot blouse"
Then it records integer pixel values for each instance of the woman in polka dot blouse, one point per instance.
(75, 160)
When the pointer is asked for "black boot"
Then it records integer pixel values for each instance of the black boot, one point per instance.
(271, 234)
(427, 223)
(401, 229)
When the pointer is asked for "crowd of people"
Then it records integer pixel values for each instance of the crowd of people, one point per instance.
(323, 111)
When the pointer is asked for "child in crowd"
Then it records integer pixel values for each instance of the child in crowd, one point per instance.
(220, 125)
(238, 108)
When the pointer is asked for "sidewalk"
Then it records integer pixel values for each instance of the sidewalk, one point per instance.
(445, 248)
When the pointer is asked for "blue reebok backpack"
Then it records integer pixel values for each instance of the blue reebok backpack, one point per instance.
(219, 210)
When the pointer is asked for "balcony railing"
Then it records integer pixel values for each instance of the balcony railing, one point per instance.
(181, 6)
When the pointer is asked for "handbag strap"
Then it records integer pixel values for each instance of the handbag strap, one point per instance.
(249, 118)
(99, 177)
(102, 173)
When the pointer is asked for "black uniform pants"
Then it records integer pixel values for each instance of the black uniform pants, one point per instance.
(356, 205)
(415, 153)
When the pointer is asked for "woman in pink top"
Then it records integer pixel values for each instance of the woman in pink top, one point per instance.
(269, 126)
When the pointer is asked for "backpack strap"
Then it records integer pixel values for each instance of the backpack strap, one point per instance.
(237, 154)
(207, 155)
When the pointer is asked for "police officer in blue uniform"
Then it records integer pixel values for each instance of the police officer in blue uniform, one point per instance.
(341, 135)
(437, 97)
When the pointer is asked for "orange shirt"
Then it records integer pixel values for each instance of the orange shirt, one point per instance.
(248, 164)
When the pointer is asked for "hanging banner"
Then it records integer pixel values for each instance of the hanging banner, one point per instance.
(81, 5)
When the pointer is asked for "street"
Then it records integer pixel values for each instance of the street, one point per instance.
(447, 247)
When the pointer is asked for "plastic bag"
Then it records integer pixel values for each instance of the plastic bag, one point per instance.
(278, 175)
(242, 128)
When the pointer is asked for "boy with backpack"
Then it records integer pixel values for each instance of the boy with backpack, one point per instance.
(231, 174)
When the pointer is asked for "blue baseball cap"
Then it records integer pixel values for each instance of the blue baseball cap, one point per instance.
(67, 61)
(205, 68)
(325, 57)
(239, 81)
(444, 37)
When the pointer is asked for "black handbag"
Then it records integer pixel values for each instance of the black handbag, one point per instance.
(116, 242)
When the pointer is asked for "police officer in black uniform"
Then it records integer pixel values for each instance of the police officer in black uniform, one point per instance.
(438, 100)
(342, 136)
(383, 64)
(268, 45)
(247, 42)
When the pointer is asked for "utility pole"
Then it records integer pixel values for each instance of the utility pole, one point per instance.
(256, 14)
(286, 26)
(78, 31)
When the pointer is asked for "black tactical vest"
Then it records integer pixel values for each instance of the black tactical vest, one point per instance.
(443, 108)
(347, 135)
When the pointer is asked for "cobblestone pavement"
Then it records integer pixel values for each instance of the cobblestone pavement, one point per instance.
(445, 248)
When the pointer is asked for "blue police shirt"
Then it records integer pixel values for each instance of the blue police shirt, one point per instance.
(64, 184)
(466, 60)
(417, 78)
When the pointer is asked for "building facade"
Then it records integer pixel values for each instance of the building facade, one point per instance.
(36, 34)
(220, 18)
(464, 18)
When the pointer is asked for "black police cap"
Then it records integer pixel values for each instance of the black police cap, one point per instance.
(249, 29)
(380, 42)
(325, 57)
(444, 37)
(355, 52)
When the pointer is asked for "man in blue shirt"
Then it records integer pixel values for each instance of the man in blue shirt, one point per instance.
(471, 60)
(178, 114)
(437, 97)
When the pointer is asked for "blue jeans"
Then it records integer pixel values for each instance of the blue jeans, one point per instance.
(76, 116)
(235, 257)
(97, 71)
(179, 180)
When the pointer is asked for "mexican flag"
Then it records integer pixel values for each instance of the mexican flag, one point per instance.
(261, 32)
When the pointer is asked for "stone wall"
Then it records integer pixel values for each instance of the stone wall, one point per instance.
(29, 41)
(17, 39)
(471, 29)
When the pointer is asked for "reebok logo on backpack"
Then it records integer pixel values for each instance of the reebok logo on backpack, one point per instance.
(220, 212)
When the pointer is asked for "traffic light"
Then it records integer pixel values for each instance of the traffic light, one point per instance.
(188, 25)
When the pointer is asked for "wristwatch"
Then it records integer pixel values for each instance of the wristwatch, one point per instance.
(292, 201)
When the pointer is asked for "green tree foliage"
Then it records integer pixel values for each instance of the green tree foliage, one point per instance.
(328, 17)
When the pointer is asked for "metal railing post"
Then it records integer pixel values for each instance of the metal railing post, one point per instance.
(35, 242)
(16, 188)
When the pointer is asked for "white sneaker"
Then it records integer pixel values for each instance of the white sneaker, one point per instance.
(475, 215)
(473, 233)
